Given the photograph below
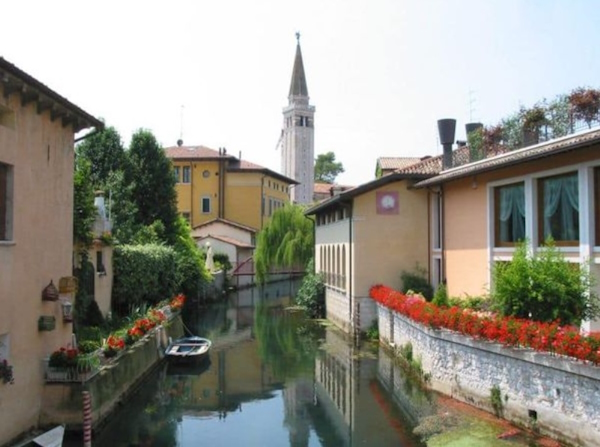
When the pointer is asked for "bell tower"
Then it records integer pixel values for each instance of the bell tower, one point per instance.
(298, 134)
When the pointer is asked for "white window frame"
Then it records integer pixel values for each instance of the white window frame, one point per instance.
(186, 178)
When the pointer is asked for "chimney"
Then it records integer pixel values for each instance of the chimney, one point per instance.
(446, 129)
(471, 127)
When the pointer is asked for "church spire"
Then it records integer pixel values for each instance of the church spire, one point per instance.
(298, 85)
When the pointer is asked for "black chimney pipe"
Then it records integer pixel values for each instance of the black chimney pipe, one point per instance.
(447, 129)
(471, 127)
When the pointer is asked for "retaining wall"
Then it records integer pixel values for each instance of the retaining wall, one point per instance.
(62, 403)
(553, 394)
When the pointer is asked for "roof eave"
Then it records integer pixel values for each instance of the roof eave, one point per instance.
(14, 80)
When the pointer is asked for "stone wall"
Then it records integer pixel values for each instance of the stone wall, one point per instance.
(555, 395)
(62, 403)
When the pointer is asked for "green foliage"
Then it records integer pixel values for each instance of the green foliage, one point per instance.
(286, 240)
(326, 168)
(558, 114)
(544, 287)
(417, 282)
(191, 271)
(222, 260)
(496, 400)
(93, 316)
(373, 332)
(440, 297)
(88, 346)
(585, 103)
(476, 144)
(105, 152)
(150, 174)
(91, 333)
(84, 211)
(144, 274)
(311, 295)
(472, 302)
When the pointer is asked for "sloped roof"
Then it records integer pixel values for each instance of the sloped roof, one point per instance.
(394, 163)
(298, 85)
(228, 240)
(505, 158)
(195, 153)
(226, 222)
(15, 80)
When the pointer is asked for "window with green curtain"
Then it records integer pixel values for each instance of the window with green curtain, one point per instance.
(558, 204)
(509, 209)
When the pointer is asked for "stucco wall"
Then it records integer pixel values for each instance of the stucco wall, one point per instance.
(468, 229)
(563, 394)
(40, 152)
(386, 245)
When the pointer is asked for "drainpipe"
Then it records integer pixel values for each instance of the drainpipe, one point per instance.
(262, 201)
(351, 261)
(192, 195)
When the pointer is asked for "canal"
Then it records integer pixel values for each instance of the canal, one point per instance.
(276, 379)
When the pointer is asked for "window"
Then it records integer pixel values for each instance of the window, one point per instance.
(205, 205)
(509, 214)
(186, 174)
(5, 202)
(597, 205)
(176, 173)
(100, 269)
(436, 220)
(558, 205)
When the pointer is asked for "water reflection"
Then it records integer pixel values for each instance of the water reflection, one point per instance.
(272, 379)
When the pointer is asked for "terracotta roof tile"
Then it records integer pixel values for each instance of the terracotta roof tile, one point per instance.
(397, 162)
(502, 157)
(192, 152)
(226, 222)
(228, 240)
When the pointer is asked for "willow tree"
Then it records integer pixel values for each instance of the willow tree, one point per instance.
(287, 240)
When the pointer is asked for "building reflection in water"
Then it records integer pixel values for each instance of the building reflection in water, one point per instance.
(329, 392)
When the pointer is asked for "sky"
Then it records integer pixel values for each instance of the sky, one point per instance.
(379, 72)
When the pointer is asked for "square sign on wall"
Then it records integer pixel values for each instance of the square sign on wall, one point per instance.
(387, 202)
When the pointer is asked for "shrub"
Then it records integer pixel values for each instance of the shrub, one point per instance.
(144, 274)
(311, 295)
(544, 287)
(417, 282)
(87, 346)
(440, 297)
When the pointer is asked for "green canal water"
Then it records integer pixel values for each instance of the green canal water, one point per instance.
(275, 379)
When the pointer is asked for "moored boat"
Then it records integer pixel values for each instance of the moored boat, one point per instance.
(188, 349)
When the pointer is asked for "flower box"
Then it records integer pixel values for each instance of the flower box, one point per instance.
(46, 323)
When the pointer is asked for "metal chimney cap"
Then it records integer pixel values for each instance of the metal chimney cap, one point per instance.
(447, 129)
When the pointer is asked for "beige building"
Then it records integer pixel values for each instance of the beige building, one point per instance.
(551, 188)
(37, 128)
(368, 235)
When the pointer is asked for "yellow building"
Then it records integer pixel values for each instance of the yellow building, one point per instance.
(216, 185)
(37, 130)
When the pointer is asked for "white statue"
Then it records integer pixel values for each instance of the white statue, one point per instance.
(210, 263)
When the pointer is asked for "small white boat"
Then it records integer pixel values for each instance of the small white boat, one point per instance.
(52, 438)
(188, 349)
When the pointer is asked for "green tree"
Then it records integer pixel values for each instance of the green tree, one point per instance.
(106, 154)
(326, 168)
(544, 287)
(287, 240)
(149, 175)
(84, 211)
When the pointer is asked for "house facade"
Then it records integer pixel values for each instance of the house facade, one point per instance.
(487, 206)
(216, 185)
(367, 235)
(37, 131)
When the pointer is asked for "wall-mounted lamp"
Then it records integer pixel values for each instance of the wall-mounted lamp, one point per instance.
(67, 310)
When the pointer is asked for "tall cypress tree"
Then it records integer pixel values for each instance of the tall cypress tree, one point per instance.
(149, 174)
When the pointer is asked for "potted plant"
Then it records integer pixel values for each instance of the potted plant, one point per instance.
(585, 104)
(6, 372)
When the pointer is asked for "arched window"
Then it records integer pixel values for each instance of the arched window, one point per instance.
(344, 267)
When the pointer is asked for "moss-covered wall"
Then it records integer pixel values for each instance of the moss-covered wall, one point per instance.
(62, 403)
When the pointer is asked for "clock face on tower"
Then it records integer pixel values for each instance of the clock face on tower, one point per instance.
(387, 202)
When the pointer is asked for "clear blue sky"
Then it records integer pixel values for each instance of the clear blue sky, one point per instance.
(380, 72)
